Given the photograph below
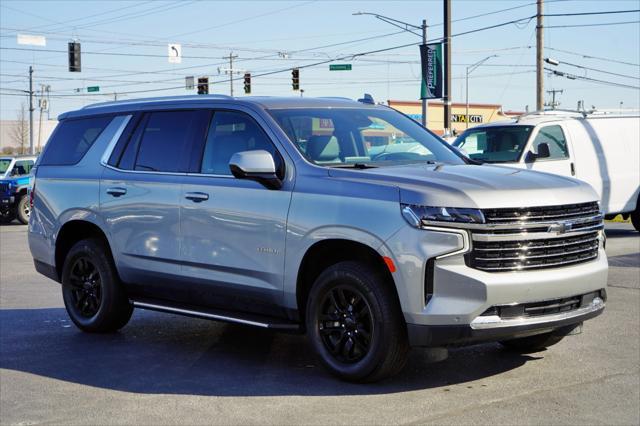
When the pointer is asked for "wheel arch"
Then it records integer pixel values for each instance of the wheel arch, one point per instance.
(70, 233)
(324, 253)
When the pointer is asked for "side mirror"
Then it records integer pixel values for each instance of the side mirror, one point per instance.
(543, 152)
(255, 165)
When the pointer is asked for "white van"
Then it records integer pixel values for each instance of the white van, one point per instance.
(602, 149)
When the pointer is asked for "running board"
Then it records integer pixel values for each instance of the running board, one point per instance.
(212, 314)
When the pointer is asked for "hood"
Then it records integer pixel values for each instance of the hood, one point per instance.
(475, 186)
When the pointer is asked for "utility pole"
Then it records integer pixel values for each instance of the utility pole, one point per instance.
(539, 58)
(31, 110)
(230, 70)
(424, 100)
(553, 103)
(447, 66)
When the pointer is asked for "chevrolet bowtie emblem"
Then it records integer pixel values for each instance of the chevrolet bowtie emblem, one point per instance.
(561, 227)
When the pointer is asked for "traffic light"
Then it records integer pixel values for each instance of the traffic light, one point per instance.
(203, 85)
(74, 57)
(295, 78)
(247, 83)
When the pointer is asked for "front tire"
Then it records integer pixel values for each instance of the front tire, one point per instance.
(355, 324)
(93, 294)
(23, 210)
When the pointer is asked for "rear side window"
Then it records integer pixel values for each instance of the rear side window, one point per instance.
(72, 139)
(163, 140)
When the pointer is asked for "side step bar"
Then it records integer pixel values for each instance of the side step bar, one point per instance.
(233, 317)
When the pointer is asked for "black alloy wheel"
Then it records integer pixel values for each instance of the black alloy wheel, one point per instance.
(354, 322)
(95, 298)
(345, 323)
(86, 287)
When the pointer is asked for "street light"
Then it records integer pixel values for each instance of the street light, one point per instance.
(407, 27)
(470, 69)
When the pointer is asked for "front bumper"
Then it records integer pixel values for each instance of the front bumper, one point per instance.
(442, 297)
(7, 201)
(494, 328)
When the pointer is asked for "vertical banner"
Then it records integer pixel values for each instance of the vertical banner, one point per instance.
(431, 60)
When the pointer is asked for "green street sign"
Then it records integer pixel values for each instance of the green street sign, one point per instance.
(93, 89)
(340, 67)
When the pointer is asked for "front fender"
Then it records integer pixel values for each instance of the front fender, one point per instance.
(298, 248)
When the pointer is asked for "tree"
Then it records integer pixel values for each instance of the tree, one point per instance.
(19, 132)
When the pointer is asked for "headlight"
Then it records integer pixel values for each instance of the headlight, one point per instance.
(415, 215)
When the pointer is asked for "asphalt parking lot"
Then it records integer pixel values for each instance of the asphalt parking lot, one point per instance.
(166, 369)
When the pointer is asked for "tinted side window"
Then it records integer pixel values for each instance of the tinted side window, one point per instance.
(166, 140)
(232, 132)
(22, 167)
(554, 137)
(72, 139)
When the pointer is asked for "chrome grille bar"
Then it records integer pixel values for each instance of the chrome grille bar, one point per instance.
(542, 237)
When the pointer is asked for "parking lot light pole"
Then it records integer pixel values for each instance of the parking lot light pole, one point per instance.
(470, 69)
(409, 28)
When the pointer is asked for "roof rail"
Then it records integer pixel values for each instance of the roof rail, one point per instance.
(552, 112)
(158, 99)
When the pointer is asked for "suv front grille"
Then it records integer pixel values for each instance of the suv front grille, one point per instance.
(4, 188)
(530, 254)
(536, 238)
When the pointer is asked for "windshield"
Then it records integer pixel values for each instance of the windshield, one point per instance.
(342, 137)
(495, 144)
(4, 165)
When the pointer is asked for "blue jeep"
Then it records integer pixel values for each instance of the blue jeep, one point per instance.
(15, 179)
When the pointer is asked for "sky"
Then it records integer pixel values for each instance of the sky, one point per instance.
(124, 45)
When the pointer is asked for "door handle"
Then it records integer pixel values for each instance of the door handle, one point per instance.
(573, 169)
(116, 192)
(196, 197)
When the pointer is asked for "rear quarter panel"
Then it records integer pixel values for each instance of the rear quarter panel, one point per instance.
(66, 193)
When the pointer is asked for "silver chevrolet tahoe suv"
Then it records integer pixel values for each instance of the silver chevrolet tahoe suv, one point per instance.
(345, 220)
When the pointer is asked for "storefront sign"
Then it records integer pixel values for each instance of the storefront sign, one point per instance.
(462, 118)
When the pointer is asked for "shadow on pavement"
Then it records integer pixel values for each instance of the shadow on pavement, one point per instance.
(161, 353)
(621, 232)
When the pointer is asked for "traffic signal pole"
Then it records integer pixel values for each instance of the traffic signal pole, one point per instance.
(447, 66)
(424, 100)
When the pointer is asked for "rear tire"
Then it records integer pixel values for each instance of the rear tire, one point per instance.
(93, 294)
(23, 209)
(535, 343)
(355, 324)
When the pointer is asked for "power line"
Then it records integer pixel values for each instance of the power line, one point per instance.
(584, 55)
(604, 12)
(602, 24)
(594, 80)
(637, 77)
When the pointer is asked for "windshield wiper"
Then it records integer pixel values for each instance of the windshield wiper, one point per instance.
(353, 166)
